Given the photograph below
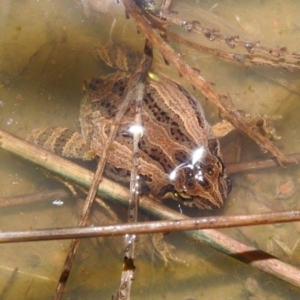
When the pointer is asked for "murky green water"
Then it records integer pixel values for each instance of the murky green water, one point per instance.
(46, 51)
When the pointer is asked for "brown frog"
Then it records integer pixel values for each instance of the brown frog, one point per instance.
(179, 154)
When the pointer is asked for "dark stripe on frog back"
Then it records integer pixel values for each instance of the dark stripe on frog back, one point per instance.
(195, 105)
(158, 110)
(213, 143)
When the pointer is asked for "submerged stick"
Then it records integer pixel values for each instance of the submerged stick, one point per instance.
(131, 92)
(138, 85)
(186, 224)
(214, 238)
(215, 35)
(9, 283)
(245, 59)
(232, 168)
(34, 197)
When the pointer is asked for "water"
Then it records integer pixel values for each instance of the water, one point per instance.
(45, 54)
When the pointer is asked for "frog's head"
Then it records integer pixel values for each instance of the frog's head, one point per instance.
(201, 182)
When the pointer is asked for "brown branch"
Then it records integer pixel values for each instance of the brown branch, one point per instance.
(215, 35)
(86, 208)
(166, 6)
(34, 197)
(129, 94)
(185, 224)
(258, 164)
(244, 59)
(221, 102)
(9, 283)
(133, 203)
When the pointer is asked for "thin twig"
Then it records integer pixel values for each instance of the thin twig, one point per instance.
(8, 284)
(185, 224)
(232, 168)
(132, 215)
(214, 35)
(85, 214)
(129, 94)
(245, 59)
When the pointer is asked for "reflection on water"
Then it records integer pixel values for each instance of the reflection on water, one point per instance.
(46, 53)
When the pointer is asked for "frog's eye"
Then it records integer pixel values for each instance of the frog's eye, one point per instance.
(176, 195)
(211, 170)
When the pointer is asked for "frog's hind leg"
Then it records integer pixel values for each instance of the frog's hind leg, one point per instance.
(62, 141)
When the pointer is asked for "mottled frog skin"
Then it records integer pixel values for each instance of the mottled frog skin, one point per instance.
(179, 154)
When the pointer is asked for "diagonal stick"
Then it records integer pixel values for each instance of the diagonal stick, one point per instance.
(129, 94)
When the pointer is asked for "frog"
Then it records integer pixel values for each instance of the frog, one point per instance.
(179, 154)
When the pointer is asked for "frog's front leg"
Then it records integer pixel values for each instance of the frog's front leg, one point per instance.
(62, 141)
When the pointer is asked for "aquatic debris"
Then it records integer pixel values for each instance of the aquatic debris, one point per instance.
(286, 188)
(58, 202)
